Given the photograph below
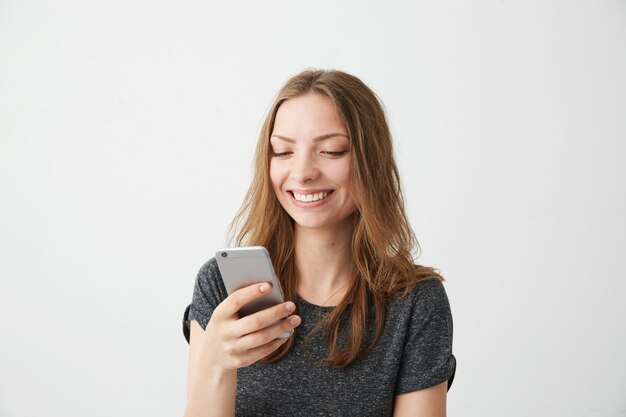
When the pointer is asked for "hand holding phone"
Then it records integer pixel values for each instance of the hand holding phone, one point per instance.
(230, 342)
(244, 266)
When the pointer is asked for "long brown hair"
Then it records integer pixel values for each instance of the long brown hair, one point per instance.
(383, 243)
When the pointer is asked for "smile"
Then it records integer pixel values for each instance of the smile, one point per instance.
(310, 198)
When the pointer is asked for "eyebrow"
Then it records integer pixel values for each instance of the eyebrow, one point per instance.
(316, 139)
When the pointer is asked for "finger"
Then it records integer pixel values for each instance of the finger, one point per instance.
(257, 339)
(258, 353)
(233, 303)
(264, 318)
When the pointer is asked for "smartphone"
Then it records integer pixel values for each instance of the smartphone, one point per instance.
(249, 265)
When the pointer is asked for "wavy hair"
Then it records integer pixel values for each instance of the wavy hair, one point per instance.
(383, 243)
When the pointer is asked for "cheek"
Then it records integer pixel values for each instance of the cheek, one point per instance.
(277, 174)
(341, 173)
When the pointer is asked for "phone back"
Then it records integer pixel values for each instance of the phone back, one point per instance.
(245, 266)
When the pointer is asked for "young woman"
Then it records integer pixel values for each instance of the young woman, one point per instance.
(372, 330)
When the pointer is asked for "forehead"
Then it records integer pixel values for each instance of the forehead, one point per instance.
(308, 116)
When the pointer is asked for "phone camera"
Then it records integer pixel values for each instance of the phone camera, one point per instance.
(224, 254)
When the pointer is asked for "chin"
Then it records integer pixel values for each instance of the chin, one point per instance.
(311, 224)
(319, 224)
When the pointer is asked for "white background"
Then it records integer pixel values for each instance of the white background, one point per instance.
(127, 129)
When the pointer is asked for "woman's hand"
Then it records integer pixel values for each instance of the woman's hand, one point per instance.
(233, 342)
(230, 342)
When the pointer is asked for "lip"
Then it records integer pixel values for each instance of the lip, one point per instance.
(309, 190)
(306, 192)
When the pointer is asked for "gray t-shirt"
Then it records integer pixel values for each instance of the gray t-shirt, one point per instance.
(413, 353)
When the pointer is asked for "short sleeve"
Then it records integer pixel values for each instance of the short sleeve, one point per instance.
(208, 293)
(427, 358)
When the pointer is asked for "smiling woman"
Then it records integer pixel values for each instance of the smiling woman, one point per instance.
(373, 330)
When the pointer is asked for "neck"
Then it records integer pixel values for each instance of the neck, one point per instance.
(323, 261)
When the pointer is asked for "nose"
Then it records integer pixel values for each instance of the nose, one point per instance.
(304, 169)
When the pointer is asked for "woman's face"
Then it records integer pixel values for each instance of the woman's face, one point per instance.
(310, 164)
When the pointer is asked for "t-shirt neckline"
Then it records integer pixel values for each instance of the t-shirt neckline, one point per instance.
(306, 304)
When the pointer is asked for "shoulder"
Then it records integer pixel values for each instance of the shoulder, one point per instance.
(209, 270)
(430, 293)
(209, 291)
(427, 337)
(426, 295)
(209, 279)
(424, 315)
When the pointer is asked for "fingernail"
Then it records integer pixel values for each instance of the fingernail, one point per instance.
(289, 306)
(294, 321)
(264, 287)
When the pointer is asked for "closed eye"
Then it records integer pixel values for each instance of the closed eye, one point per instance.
(281, 154)
(334, 154)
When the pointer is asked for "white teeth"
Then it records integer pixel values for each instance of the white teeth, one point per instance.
(308, 198)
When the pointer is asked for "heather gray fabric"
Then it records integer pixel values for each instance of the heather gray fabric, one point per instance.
(414, 352)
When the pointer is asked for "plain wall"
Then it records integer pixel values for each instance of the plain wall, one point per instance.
(126, 134)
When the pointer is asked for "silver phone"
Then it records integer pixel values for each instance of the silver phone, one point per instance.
(249, 265)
